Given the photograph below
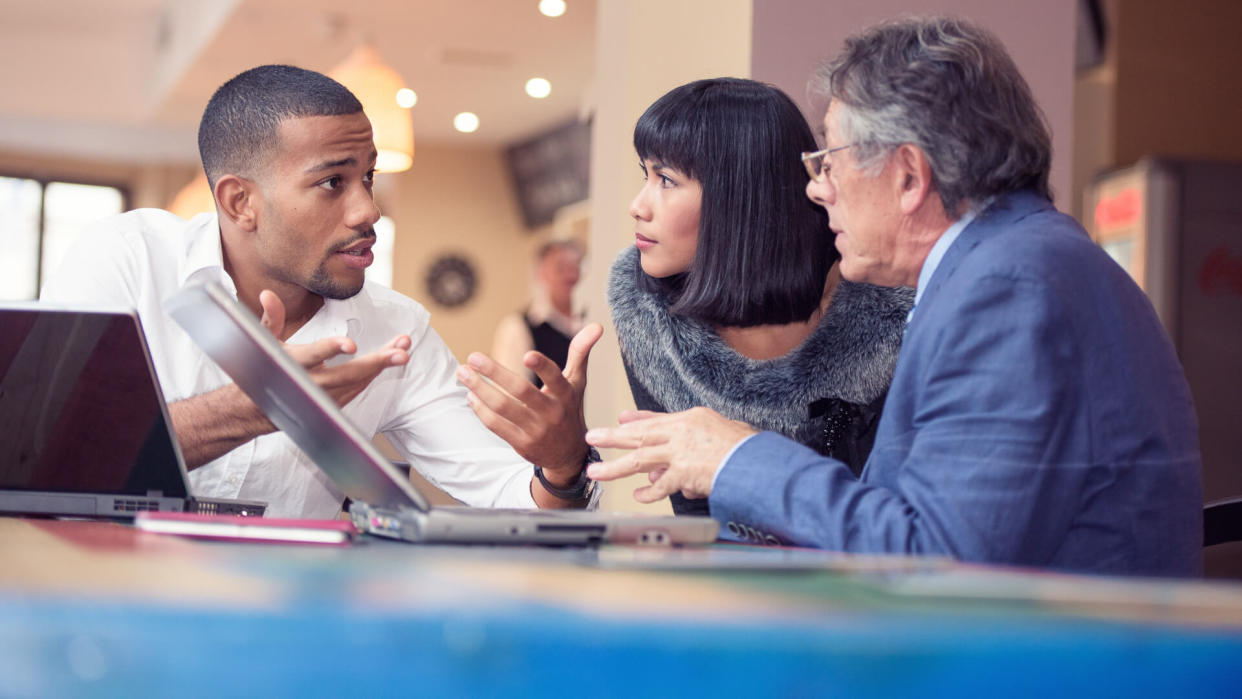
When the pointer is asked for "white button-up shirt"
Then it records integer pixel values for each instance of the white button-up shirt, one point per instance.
(142, 257)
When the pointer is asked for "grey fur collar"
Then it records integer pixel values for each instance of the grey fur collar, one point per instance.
(683, 363)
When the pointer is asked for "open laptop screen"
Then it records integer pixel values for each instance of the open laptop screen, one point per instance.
(79, 409)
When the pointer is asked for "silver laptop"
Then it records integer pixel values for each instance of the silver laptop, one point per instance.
(84, 431)
(384, 501)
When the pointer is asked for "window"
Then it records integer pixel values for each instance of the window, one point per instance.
(380, 270)
(39, 221)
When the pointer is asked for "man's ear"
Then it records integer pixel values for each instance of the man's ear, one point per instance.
(915, 177)
(237, 200)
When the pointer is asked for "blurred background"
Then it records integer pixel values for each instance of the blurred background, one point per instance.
(513, 121)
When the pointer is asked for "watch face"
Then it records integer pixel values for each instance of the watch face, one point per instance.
(451, 280)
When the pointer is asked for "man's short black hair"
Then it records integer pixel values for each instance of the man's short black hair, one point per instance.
(764, 249)
(239, 124)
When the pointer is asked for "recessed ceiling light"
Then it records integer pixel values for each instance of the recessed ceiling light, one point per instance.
(466, 122)
(552, 8)
(406, 98)
(538, 88)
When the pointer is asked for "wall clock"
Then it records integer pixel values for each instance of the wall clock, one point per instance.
(451, 280)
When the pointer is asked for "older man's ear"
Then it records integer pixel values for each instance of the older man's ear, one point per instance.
(914, 171)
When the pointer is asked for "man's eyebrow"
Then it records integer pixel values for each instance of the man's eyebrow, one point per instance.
(344, 162)
(330, 164)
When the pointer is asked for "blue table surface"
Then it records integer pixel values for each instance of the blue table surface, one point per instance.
(103, 610)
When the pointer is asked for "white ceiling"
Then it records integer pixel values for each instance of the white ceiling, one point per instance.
(129, 78)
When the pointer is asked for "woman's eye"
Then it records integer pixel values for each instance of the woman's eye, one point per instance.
(666, 182)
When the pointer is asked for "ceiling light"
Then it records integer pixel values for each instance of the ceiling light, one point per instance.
(466, 122)
(406, 98)
(374, 83)
(552, 8)
(538, 88)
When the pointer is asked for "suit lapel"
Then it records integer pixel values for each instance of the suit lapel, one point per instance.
(1000, 215)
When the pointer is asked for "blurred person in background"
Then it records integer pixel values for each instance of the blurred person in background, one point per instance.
(550, 322)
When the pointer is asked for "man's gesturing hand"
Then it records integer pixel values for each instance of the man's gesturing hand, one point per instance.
(343, 381)
(544, 425)
(678, 452)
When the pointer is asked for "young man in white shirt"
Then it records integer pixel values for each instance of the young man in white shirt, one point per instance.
(290, 160)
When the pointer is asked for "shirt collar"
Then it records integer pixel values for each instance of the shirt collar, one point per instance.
(204, 257)
(938, 250)
(334, 319)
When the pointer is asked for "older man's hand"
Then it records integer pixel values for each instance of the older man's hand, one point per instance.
(678, 452)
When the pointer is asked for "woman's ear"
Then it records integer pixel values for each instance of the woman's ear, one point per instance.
(237, 200)
(914, 171)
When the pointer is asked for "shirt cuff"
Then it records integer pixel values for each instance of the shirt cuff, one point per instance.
(725, 461)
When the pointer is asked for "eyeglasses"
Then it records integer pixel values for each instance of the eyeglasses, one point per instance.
(813, 161)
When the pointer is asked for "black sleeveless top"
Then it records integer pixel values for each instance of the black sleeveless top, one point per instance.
(549, 342)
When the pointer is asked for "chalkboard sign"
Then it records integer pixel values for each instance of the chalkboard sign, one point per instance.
(551, 170)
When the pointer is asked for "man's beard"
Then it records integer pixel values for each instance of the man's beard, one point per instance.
(324, 285)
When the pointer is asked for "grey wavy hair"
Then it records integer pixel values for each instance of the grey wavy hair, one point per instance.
(950, 88)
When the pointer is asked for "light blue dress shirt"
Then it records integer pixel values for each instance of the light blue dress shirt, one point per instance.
(937, 253)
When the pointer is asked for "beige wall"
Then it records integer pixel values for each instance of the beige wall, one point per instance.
(792, 37)
(458, 201)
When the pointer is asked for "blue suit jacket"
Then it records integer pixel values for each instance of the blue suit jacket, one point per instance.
(1038, 416)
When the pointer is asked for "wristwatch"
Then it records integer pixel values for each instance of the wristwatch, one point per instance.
(580, 488)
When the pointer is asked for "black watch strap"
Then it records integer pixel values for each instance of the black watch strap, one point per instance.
(580, 488)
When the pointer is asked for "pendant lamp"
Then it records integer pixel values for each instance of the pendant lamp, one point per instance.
(375, 83)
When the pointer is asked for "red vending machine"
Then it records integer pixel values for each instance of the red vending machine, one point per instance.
(1176, 226)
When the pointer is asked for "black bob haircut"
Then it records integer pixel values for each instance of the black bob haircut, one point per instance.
(239, 124)
(764, 250)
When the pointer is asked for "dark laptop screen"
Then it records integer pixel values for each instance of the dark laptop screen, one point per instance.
(79, 409)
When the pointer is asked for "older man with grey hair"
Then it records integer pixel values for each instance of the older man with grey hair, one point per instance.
(1038, 415)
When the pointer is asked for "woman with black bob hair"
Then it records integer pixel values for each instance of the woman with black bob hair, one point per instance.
(763, 249)
(729, 298)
